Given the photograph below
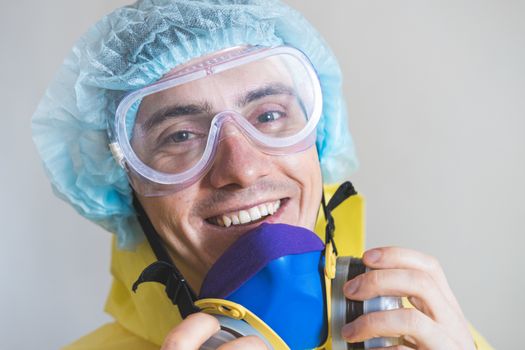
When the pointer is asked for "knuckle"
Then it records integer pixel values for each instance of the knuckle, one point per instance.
(423, 280)
(365, 321)
(381, 318)
(375, 278)
(175, 342)
(433, 263)
(173, 338)
(371, 324)
(413, 319)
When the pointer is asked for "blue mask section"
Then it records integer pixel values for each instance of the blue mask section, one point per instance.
(288, 295)
(277, 272)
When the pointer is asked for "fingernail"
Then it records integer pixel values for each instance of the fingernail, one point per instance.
(351, 287)
(347, 331)
(373, 255)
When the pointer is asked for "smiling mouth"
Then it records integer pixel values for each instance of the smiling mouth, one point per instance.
(247, 216)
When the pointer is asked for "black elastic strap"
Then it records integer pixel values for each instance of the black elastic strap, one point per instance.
(164, 270)
(343, 192)
(151, 234)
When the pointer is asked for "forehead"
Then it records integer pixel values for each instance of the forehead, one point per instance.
(220, 90)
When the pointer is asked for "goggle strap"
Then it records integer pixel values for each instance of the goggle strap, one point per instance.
(164, 270)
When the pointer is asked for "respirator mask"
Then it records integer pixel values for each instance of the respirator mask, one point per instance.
(283, 284)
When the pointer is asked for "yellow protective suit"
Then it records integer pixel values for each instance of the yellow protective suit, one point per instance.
(143, 319)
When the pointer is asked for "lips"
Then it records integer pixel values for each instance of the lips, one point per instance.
(246, 216)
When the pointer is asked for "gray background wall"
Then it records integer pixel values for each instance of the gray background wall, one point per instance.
(436, 96)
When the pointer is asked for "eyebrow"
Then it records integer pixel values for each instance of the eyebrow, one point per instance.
(176, 110)
(246, 98)
(267, 90)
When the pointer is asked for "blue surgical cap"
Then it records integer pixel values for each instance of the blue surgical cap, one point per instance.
(136, 45)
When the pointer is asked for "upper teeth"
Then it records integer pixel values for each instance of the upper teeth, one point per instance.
(248, 215)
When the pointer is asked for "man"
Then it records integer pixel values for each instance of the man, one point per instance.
(213, 114)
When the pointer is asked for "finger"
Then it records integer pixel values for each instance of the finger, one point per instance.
(395, 323)
(192, 332)
(403, 258)
(248, 343)
(401, 282)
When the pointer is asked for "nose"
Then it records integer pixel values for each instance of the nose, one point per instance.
(238, 162)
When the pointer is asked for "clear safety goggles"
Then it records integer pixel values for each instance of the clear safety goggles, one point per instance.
(166, 134)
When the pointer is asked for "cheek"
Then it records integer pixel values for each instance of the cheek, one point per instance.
(305, 168)
(168, 213)
(315, 182)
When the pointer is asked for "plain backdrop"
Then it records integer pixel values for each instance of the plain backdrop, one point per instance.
(436, 98)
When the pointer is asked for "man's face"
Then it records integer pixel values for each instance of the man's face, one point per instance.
(242, 183)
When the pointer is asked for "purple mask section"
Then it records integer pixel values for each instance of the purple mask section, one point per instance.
(252, 252)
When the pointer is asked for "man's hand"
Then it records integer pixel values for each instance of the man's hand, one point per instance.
(195, 329)
(436, 322)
